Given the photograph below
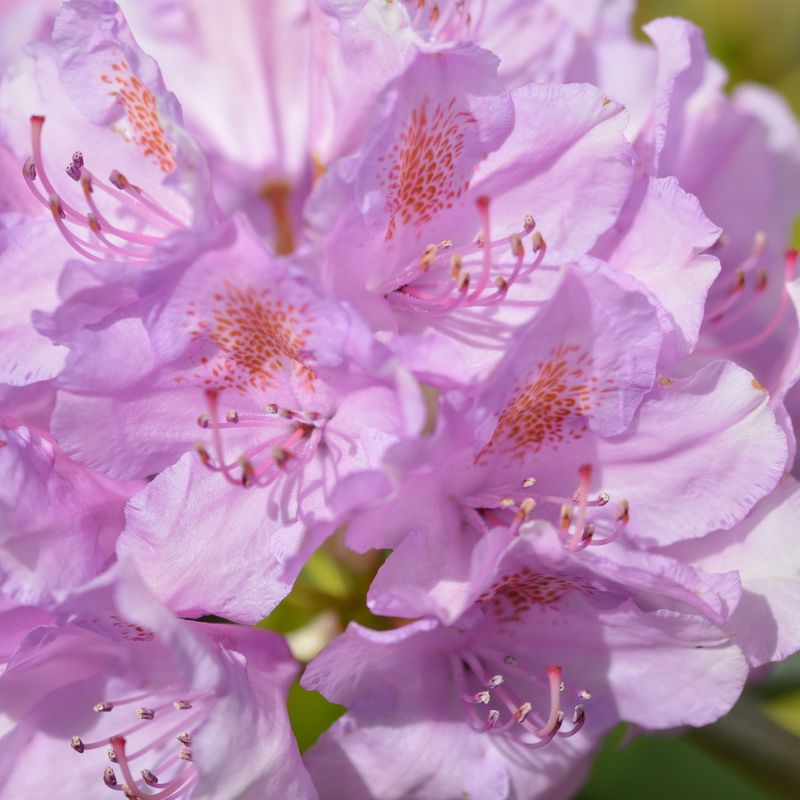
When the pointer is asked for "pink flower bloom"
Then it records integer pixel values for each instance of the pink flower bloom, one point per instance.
(448, 211)
(243, 75)
(740, 156)
(485, 705)
(119, 692)
(286, 390)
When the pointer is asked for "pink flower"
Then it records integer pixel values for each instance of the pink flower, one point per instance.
(510, 698)
(119, 692)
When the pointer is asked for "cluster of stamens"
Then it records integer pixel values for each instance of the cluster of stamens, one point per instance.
(158, 725)
(91, 234)
(448, 20)
(292, 440)
(511, 714)
(576, 532)
(442, 283)
(743, 297)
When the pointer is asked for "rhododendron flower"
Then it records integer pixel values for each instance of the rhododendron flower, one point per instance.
(495, 295)
(510, 698)
(146, 703)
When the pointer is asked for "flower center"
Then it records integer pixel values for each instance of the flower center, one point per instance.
(90, 233)
(442, 280)
(482, 678)
(449, 20)
(292, 438)
(155, 727)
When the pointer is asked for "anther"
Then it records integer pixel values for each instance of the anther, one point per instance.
(104, 706)
(181, 705)
(584, 694)
(538, 242)
(185, 754)
(232, 416)
(204, 420)
(522, 712)
(761, 280)
(481, 697)
(77, 158)
(145, 713)
(29, 169)
(565, 517)
(507, 502)
(527, 506)
(528, 223)
(109, 778)
(56, 207)
(517, 248)
(112, 756)
(493, 717)
(528, 482)
(76, 744)
(118, 179)
(184, 738)
(455, 266)
(73, 170)
(624, 511)
(149, 778)
(428, 257)
(280, 455)
(495, 681)
(248, 471)
(202, 452)
(94, 225)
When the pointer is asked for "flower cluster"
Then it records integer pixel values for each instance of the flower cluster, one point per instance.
(490, 286)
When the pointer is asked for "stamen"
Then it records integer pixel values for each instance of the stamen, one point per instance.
(109, 778)
(99, 249)
(585, 473)
(777, 317)
(442, 285)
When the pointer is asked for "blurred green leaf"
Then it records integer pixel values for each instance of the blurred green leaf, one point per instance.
(310, 714)
(663, 768)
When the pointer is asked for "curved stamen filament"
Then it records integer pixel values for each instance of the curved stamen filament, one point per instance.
(442, 285)
(99, 247)
(283, 447)
(774, 323)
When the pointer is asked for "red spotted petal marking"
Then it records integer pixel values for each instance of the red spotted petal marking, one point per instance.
(140, 108)
(514, 594)
(420, 174)
(261, 336)
(552, 408)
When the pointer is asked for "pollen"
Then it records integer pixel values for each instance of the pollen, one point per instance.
(552, 407)
(261, 336)
(140, 108)
(421, 174)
